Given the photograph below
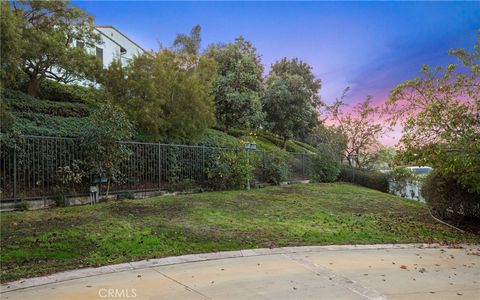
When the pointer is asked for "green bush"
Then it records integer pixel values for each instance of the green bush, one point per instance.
(48, 125)
(401, 177)
(23, 205)
(230, 170)
(24, 103)
(368, 178)
(325, 165)
(274, 169)
(447, 198)
(55, 91)
(215, 138)
(268, 141)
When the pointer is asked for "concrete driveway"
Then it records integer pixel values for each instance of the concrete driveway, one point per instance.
(331, 272)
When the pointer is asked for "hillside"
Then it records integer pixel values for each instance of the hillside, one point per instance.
(47, 118)
(69, 119)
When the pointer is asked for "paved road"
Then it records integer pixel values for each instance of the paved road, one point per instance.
(336, 272)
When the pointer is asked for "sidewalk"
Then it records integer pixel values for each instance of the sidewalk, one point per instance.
(331, 272)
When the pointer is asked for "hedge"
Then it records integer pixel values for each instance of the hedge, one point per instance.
(447, 198)
(20, 102)
(368, 178)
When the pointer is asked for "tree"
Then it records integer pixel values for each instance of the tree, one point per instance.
(238, 87)
(49, 30)
(11, 45)
(291, 101)
(440, 115)
(103, 154)
(167, 95)
(360, 126)
(189, 44)
(287, 105)
(331, 137)
(300, 68)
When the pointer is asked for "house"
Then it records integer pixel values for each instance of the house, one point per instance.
(115, 45)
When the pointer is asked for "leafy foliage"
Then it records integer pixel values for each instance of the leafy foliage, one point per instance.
(215, 138)
(238, 87)
(291, 100)
(326, 165)
(402, 176)
(360, 127)
(55, 91)
(274, 168)
(287, 110)
(447, 198)
(439, 112)
(21, 102)
(330, 138)
(11, 44)
(230, 170)
(42, 117)
(7, 119)
(167, 96)
(48, 30)
(190, 44)
(368, 178)
(103, 153)
(297, 67)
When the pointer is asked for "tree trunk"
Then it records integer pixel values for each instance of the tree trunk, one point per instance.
(285, 139)
(33, 86)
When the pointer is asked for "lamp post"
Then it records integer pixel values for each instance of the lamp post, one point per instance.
(248, 147)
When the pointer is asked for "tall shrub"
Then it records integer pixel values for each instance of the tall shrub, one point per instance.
(367, 178)
(231, 169)
(448, 198)
(325, 165)
(103, 154)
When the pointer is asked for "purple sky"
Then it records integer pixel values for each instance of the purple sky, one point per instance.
(369, 46)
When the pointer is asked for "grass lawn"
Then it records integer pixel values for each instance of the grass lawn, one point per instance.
(46, 241)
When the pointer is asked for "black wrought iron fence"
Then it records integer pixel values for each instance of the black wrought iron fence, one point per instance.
(29, 167)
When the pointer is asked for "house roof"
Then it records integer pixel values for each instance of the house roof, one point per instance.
(110, 26)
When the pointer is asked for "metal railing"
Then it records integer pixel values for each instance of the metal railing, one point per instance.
(29, 166)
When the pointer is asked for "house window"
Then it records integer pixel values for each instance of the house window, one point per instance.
(80, 44)
(99, 54)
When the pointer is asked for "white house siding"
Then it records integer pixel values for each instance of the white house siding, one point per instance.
(132, 49)
(115, 46)
(111, 51)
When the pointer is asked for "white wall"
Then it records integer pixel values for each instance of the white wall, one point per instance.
(132, 49)
(111, 51)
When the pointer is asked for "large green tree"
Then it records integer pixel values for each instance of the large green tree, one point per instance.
(49, 31)
(297, 67)
(288, 110)
(238, 87)
(167, 95)
(11, 45)
(291, 99)
(440, 115)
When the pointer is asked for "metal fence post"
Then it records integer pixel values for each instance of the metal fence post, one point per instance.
(159, 166)
(264, 164)
(15, 172)
(303, 165)
(203, 162)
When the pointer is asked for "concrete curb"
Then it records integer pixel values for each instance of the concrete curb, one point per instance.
(88, 272)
